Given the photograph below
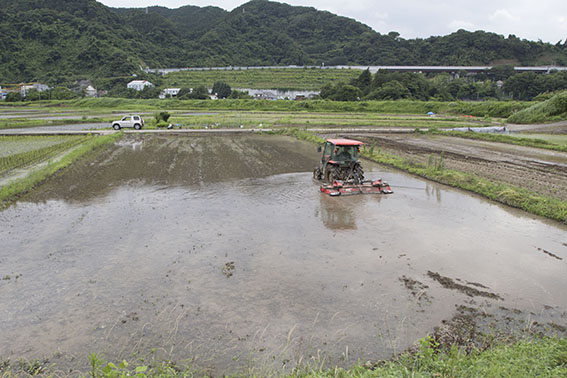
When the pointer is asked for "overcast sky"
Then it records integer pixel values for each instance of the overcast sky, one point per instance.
(527, 19)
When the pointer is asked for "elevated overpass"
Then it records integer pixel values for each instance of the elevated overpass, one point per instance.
(373, 69)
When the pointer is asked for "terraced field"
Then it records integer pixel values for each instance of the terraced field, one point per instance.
(300, 78)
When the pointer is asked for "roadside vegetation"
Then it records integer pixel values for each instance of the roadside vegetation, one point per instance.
(523, 357)
(17, 188)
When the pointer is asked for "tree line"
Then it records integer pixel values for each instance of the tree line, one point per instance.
(499, 83)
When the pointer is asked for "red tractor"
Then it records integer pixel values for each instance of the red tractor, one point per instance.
(340, 161)
(341, 171)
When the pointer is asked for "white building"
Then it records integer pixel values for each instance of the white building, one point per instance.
(139, 84)
(90, 91)
(169, 92)
(24, 88)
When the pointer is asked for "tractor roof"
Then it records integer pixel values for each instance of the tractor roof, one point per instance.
(345, 142)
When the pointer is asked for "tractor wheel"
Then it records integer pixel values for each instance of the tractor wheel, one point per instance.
(358, 174)
(331, 175)
(317, 174)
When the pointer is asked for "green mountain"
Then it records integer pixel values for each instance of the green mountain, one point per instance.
(58, 40)
(189, 21)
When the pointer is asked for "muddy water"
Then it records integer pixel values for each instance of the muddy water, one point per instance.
(221, 252)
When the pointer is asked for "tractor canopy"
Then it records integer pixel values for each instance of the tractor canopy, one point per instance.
(342, 150)
(345, 142)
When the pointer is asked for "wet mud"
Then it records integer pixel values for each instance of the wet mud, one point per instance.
(220, 252)
(449, 283)
(540, 171)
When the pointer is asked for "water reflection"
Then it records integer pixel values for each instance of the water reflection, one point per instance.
(433, 191)
(340, 213)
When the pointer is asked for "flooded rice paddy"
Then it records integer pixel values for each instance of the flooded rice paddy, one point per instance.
(221, 252)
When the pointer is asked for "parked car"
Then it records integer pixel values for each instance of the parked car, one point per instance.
(134, 121)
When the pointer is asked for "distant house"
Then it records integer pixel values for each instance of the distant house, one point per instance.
(139, 85)
(169, 92)
(24, 88)
(90, 91)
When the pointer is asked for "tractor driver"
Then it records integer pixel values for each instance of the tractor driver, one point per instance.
(344, 154)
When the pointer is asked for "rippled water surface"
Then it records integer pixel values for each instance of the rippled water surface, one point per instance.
(222, 250)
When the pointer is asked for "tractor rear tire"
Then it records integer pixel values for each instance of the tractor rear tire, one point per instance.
(358, 174)
(331, 175)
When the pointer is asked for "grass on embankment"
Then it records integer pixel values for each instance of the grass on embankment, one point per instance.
(510, 195)
(499, 109)
(14, 190)
(554, 109)
(545, 357)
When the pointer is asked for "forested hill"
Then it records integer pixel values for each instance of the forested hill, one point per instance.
(57, 40)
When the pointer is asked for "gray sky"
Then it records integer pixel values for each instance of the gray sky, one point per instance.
(527, 19)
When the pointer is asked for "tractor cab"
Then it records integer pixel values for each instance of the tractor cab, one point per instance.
(340, 151)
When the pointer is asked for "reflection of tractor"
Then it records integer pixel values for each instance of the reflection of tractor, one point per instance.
(342, 172)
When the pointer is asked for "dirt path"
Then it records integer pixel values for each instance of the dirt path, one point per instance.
(542, 171)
